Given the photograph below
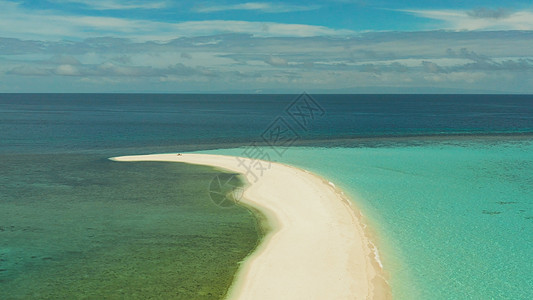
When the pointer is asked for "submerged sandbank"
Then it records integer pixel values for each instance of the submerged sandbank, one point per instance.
(317, 247)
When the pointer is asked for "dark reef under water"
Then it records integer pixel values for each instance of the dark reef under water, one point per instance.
(81, 226)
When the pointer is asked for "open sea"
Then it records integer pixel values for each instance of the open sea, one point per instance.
(444, 181)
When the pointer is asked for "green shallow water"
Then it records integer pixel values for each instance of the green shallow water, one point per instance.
(454, 220)
(81, 226)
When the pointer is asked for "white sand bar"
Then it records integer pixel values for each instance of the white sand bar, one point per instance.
(317, 248)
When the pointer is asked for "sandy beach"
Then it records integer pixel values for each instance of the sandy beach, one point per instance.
(317, 247)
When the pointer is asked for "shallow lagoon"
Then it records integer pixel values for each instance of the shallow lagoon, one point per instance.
(453, 219)
(75, 226)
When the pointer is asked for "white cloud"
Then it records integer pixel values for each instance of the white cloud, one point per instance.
(116, 4)
(487, 13)
(468, 77)
(27, 70)
(446, 59)
(108, 69)
(67, 70)
(480, 19)
(256, 6)
(21, 23)
(276, 61)
(260, 29)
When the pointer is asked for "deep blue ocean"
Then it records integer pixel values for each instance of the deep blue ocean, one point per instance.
(37, 123)
(446, 182)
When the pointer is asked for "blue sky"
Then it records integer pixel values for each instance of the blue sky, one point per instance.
(339, 46)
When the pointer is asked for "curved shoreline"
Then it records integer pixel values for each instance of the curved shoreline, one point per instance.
(317, 247)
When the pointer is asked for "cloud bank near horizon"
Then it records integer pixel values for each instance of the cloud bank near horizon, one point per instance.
(468, 50)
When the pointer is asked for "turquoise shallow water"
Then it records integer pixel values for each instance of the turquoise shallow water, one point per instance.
(454, 220)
